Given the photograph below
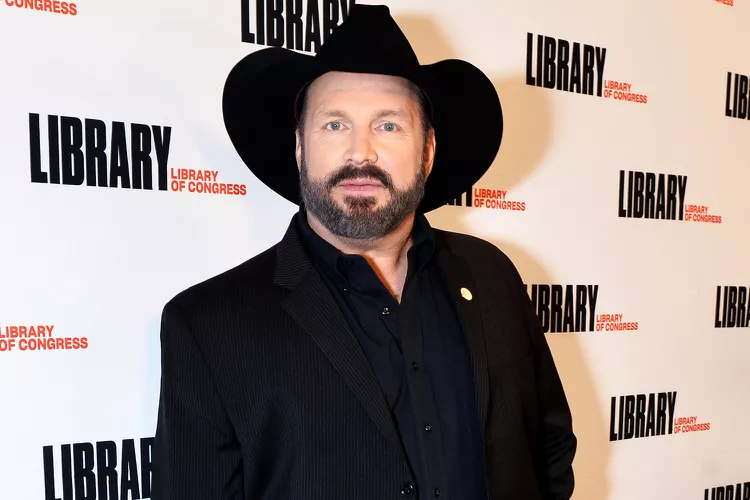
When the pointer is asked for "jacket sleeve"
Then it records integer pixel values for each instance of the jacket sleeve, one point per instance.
(196, 453)
(558, 442)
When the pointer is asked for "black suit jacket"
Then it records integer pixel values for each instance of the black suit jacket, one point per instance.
(266, 393)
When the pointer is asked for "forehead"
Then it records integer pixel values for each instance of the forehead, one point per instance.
(339, 87)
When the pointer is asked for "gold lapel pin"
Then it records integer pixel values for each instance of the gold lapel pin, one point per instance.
(465, 293)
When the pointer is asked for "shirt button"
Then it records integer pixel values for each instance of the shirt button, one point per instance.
(407, 489)
(427, 428)
(345, 289)
(415, 365)
(437, 492)
(349, 262)
(386, 311)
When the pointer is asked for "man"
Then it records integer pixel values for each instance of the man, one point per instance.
(366, 355)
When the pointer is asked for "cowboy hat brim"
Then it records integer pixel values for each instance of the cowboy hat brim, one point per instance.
(259, 114)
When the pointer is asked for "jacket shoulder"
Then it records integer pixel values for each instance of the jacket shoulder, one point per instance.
(252, 277)
(479, 253)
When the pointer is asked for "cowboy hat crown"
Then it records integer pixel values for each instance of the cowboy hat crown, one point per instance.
(368, 41)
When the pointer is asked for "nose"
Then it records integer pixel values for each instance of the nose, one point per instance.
(361, 147)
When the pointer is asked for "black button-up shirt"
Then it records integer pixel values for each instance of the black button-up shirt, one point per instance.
(419, 354)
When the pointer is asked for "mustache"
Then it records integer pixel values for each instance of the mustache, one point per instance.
(367, 171)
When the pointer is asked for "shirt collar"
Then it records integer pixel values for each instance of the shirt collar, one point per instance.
(423, 243)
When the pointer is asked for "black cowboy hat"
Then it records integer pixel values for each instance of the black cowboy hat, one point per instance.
(262, 97)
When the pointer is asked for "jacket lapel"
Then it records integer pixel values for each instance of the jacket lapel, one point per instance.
(313, 307)
(459, 278)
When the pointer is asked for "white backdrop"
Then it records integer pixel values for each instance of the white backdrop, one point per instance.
(100, 262)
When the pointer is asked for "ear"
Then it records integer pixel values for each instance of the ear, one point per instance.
(298, 148)
(429, 152)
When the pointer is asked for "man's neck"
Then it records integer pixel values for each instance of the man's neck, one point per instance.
(386, 255)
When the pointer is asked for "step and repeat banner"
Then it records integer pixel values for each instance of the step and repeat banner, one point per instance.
(620, 193)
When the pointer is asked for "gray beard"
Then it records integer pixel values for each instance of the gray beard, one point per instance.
(360, 219)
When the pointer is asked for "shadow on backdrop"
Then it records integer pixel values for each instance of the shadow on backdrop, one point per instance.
(527, 134)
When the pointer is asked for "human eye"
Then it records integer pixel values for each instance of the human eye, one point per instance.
(389, 127)
(334, 126)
